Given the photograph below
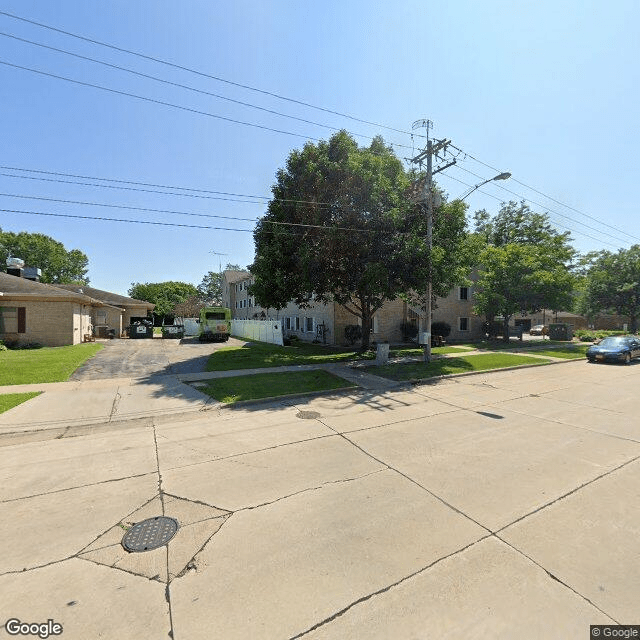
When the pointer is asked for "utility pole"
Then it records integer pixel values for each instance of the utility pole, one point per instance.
(426, 199)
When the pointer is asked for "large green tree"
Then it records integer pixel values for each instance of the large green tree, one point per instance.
(612, 284)
(210, 289)
(340, 228)
(58, 265)
(165, 295)
(525, 264)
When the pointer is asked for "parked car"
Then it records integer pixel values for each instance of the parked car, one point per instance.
(539, 330)
(615, 349)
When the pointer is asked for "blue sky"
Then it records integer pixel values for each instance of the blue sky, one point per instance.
(545, 90)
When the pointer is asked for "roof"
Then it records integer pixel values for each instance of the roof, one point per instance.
(234, 276)
(113, 299)
(14, 287)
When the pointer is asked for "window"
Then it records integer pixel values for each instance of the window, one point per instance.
(464, 293)
(297, 323)
(287, 323)
(308, 325)
(463, 324)
(13, 320)
(8, 320)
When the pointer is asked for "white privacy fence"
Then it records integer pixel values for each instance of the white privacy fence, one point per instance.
(262, 330)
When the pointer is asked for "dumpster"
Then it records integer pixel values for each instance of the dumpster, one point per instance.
(561, 331)
(173, 331)
(141, 328)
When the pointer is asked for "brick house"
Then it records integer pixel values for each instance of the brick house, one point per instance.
(117, 310)
(56, 315)
(326, 322)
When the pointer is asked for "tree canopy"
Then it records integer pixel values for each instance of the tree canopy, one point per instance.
(165, 295)
(210, 289)
(525, 265)
(340, 227)
(58, 265)
(612, 284)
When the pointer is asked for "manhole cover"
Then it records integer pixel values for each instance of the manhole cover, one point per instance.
(307, 415)
(150, 534)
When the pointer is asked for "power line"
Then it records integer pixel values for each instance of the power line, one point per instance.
(539, 204)
(160, 102)
(562, 204)
(183, 86)
(160, 186)
(486, 193)
(181, 213)
(203, 74)
(281, 97)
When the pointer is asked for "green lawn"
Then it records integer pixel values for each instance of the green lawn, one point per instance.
(417, 351)
(567, 351)
(10, 400)
(269, 385)
(446, 366)
(49, 364)
(262, 354)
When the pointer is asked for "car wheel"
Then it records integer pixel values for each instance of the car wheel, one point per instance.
(627, 358)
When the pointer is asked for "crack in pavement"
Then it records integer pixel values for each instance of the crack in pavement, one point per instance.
(373, 594)
(308, 489)
(82, 486)
(554, 577)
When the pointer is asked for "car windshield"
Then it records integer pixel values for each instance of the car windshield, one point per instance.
(614, 342)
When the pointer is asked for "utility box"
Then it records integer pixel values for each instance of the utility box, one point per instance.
(424, 337)
(382, 353)
(561, 331)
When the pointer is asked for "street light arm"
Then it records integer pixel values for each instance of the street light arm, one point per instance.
(501, 176)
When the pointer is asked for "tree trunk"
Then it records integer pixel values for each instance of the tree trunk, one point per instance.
(634, 323)
(505, 329)
(366, 325)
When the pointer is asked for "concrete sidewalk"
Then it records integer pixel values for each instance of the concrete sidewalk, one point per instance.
(109, 400)
(495, 506)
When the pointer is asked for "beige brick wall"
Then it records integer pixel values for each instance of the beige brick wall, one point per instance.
(318, 313)
(451, 309)
(51, 324)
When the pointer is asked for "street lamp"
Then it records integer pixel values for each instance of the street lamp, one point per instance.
(501, 176)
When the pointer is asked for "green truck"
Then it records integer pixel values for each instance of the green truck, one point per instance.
(214, 324)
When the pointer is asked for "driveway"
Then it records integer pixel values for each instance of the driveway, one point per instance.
(501, 505)
(126, 358)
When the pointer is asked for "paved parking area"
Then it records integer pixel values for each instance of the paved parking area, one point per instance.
(126, 358)
(500, 505)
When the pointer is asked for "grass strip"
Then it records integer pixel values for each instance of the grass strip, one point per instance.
(255, 355)
(447, 366)
(49, 364)
(568, 352)
(270, 385)
(10, 400)
(417, 351)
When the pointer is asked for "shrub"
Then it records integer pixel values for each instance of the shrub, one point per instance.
(440, 328)
(353, 333)
(3, 346)
(591, 335)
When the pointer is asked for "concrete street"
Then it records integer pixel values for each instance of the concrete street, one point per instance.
(497, 505)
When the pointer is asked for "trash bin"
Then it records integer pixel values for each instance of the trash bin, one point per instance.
(141, 328)
(561, 331)
(173, 331)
